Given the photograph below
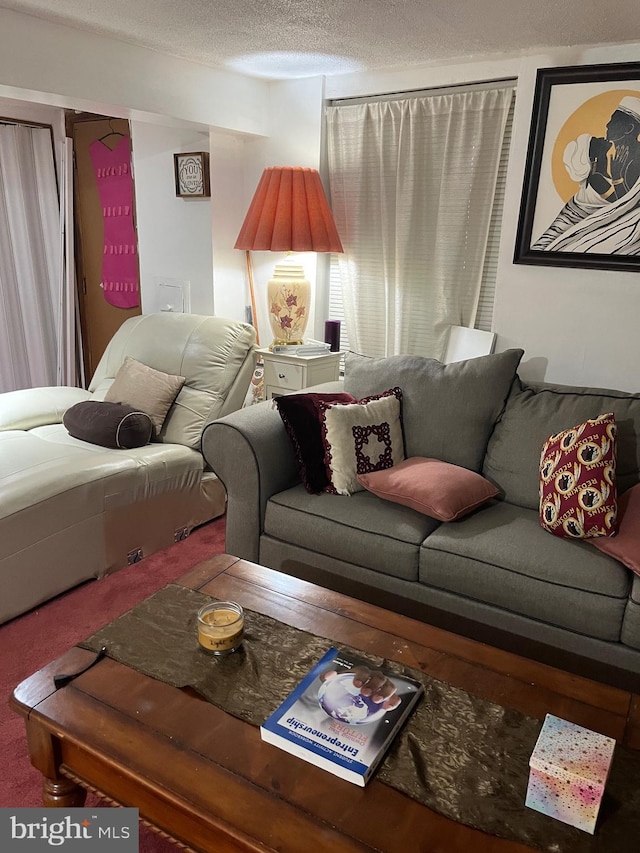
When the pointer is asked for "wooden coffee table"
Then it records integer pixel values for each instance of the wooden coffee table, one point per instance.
(207, 780)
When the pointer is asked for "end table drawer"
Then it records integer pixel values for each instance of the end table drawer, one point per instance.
(283, 374)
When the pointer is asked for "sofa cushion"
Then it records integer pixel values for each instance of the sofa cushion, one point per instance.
(625, 545)
(631, 624)
(71, 510)
(361, 437)
(300, 415)
(448, 409)
(32, 407)
(578, 480)
(437, 489)
(359, 529)
(149, 390)
(114, 425)
(534, 411)
(214, 354)
(502, 556)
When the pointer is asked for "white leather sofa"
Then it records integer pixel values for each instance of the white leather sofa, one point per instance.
(71, 510)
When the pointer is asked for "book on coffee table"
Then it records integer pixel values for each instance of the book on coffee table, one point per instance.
(328, 721)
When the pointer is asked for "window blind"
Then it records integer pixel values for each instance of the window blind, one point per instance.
(484, 314)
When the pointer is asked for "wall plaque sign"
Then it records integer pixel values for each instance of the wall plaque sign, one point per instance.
(192, 174)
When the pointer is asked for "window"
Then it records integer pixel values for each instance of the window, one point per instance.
(417, 187)
(484, 313)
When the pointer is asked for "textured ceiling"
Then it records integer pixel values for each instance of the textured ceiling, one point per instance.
(298, 38)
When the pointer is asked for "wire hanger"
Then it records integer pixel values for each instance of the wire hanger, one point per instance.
(112, 132)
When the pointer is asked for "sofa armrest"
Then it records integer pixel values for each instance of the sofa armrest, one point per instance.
(33, 407)
(251, 453)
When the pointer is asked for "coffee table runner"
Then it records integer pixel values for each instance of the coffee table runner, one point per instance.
(461, 756)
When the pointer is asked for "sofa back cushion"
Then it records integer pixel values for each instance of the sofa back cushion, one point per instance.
(536, 410)
(212, 353)
(448, 410)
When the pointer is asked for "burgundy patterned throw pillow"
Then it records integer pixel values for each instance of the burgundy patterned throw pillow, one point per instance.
(301, 417)
(360, 438)
(578, 498)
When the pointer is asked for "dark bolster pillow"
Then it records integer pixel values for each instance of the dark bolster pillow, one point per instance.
(116, 425)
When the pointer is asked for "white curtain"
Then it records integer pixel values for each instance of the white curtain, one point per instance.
(70, 365)
(412, 185)
(33, 294)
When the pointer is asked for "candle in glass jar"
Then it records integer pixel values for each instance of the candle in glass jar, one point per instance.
(220, 627)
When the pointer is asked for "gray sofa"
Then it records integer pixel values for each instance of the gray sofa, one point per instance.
(496, 574)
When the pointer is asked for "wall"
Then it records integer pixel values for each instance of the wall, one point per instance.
(229, 201)
(294, 138)
(576, 326)
(174, 234)
(173, 105)
(67, 67)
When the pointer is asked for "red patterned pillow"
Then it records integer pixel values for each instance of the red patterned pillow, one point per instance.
(578, 480)
(360, 438)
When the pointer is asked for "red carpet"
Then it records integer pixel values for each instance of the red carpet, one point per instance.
(30, 641)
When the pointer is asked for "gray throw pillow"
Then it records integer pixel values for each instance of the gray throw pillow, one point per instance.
(448, 410)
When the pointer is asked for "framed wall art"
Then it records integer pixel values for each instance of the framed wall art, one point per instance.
(581, 193)
(192, 174)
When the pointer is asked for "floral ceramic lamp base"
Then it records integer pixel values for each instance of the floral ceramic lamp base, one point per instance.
(289, 295)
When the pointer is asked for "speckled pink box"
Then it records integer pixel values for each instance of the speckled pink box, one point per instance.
(569, 768)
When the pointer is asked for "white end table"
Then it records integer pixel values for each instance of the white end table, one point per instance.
(284, 373)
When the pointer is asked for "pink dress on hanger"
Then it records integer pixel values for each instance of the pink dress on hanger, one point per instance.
(120, 276)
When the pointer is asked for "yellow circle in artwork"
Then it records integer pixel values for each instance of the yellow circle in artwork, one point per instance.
(591, 117)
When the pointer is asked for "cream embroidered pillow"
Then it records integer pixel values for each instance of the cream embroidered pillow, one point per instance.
(361, 437)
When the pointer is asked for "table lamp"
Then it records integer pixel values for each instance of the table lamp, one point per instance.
(289, 213)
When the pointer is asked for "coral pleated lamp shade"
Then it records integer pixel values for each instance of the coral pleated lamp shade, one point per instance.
(289, 213)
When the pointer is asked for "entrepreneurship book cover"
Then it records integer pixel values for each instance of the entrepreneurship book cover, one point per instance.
(343, 715)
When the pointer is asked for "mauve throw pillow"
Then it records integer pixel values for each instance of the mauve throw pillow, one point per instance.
(113, 425)
(361, 437)
(625, 545)
(578, 480)
(434, 488)
(146, 389)
(301, 418)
